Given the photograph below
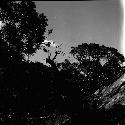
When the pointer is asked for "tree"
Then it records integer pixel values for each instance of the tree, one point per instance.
(23, 29)
(94, 67)
(100, 61)
(99, 67)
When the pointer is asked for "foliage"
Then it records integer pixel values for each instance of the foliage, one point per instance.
(100, 62)
(28, 87)
(31, 86)
(24, 29)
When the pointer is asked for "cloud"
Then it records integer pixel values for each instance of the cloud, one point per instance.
(49, 43)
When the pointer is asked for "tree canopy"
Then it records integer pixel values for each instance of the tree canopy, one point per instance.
(23, 29)
(33, 89)
(96, 66)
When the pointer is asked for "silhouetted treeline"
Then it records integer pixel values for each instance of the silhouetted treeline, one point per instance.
(28, 88)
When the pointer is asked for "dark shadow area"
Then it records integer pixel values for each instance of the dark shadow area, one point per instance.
(88, 91)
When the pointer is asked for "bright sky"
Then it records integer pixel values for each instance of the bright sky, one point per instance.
(1, 24)
(123, 29)
(75, 22)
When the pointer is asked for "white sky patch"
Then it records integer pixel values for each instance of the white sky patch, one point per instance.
(123, 29)
(1, 24)
(103, 61)
(49, 43)
(40, 55)
(17, 24)
(51, 47)
(17, 2)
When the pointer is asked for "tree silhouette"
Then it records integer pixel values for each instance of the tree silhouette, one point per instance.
(100, 61)
(28, 87)
(23, 31)
(96, 67)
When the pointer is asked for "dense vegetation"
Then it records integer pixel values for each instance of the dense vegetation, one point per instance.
(29, 91)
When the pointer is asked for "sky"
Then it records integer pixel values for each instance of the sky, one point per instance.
(76, 22)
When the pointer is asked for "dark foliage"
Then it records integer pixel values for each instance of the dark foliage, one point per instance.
(94, 76)
(89, 57)
(40, 90)
(23, 32)
(29, 91)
